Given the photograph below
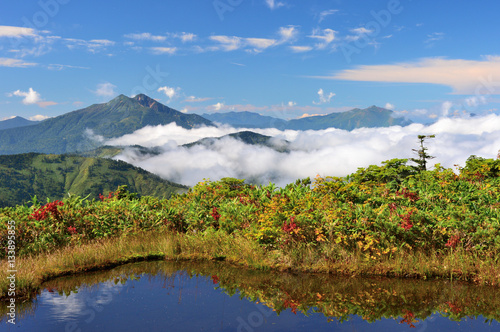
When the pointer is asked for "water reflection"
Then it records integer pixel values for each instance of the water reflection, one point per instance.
(168, 296)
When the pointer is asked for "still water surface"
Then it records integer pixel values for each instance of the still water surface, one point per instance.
(168, 296)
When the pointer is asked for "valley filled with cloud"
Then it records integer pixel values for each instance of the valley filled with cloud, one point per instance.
(331, 152)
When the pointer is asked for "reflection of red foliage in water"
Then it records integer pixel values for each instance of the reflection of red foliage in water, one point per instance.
(454, 308)
(290, 304)
(215, 279)
(408, 318)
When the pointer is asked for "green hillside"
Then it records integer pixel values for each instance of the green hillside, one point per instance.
(83, 129)
(247, 137)
(54, 176)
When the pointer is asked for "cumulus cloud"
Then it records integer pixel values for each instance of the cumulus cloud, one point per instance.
(389, 106)
(171, 93)
(324, 98)
(29, 97)
(105, 90)
(217, 107)
(469, 77)
(330, 152)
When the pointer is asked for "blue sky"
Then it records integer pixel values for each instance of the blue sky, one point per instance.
(282, 58)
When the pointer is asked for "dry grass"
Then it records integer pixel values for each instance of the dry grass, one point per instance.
(213, 245)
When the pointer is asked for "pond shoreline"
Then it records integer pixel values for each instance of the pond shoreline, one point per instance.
(219, 246)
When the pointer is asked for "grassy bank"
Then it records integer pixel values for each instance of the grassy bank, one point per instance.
(382, 220)
(32, 271)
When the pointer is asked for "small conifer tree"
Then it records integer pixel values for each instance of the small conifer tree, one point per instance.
(423, 157)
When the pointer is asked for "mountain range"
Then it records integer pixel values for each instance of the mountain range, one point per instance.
(67, 153)
(16, 122)
(356, 118)
(84, 129)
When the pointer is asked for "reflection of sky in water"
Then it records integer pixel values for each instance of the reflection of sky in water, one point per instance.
(75, 305)
(183, 304)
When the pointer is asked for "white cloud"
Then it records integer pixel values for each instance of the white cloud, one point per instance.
(464, 76)
(228, 43)
(93, 46)
(445, 108)
(389, 106)
(324, 99)
(103, 42)
(301, 49)
(30, 97)
(38, 117)
(105, 90)
(8, 62)
(475, 101)
(325, 37)
(272, 4)
(146, 36)
(291, 104)
(260, 44)
(358, 33)
(185, 36)
(326, 13)
(434, 37)
(193, 99)
(287, 34)
(330, 152)
(217, 107)
(171, 93)
(16, 32)
(163, 50)
(361, 31)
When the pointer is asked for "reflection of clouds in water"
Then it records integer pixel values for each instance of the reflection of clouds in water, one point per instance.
(76, 305)
(330, 152)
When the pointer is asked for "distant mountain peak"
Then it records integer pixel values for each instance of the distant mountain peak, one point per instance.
(145, 100)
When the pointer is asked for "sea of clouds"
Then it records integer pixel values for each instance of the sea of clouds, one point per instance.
(330, 152)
